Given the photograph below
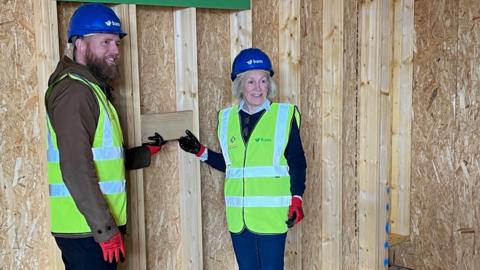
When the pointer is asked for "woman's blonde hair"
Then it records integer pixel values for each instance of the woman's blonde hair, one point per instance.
(239, 84)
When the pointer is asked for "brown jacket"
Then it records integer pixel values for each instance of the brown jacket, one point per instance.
(73, 112)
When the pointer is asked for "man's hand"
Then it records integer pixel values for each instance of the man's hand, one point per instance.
(112, 248)
(191, 144)
(155, 144)
(295, 212)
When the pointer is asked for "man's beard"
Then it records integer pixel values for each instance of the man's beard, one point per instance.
(101, 69)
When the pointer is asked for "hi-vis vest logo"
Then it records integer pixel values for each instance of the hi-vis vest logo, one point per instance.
(232, 144)
(263, 139)
(254, 61)
(110, 23)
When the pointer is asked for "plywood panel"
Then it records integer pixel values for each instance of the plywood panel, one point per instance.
(265, 18)
(288, 79)
(350, 137)
(157, 95)
(311, 128)
(467, 144)
(24, 223)
(65, 12)
(47, 52)
(332, 135)
(433, 140)
(213, 44)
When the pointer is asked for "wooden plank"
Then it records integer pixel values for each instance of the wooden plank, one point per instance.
(189, 166)
(129, 110)
(289, 51)
(240, 34)
(332, 135)
(402, 87)
(289, 85)
(170, 125)
(395, 239)
(47, 56)
(373, 117)
(240, 31)
(383, 204)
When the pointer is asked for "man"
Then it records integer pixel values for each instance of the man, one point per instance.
(86, 159)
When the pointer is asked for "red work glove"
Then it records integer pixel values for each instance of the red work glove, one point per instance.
(156, 143)
(112, 248)
(295, 212)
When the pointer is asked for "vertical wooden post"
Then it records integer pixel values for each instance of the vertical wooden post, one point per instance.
(289, 51)
(189, 167)
(129, 107)
(47, 56)
(402, 86)
(289, 85)
(383, 206)
(373, 167)
(240, 33)
(332, 135)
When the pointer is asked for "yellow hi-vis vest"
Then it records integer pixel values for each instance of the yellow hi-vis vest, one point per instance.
(108, 156)
(257, 181)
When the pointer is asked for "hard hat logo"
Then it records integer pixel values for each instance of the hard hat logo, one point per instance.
(254, 61)
(110, 23)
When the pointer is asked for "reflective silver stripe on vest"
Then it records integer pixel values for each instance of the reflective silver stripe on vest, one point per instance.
(280, 133)
(223, 135)
(260, 171)
(52, 153)
(109, 187)
(258, 201)
(105, 152)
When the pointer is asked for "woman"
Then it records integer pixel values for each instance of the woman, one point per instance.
(264, 164)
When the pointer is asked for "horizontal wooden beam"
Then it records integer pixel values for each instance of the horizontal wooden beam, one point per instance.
(170, 125)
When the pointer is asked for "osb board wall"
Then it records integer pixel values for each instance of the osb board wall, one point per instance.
(24, 230)
(265, 30)
(310, 109)
(445, 209)
(350, 136)
(213, 48)
(157, 95)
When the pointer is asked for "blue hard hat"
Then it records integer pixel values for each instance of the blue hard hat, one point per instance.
(94, 18)
(250, 59)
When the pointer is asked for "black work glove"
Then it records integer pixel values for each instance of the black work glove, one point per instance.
(191, 144)
(155, 144)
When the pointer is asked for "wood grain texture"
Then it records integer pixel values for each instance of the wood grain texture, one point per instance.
(157, 95)
(434, 133)
(26, 60)
(189, 166)
(311, 129)
(332, 135)
(214, 66)
(350, 137)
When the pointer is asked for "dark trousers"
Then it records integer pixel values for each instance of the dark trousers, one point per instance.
(259, 251)
(83, 254)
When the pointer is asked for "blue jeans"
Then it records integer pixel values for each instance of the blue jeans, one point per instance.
(83, 254)
(259, 251)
